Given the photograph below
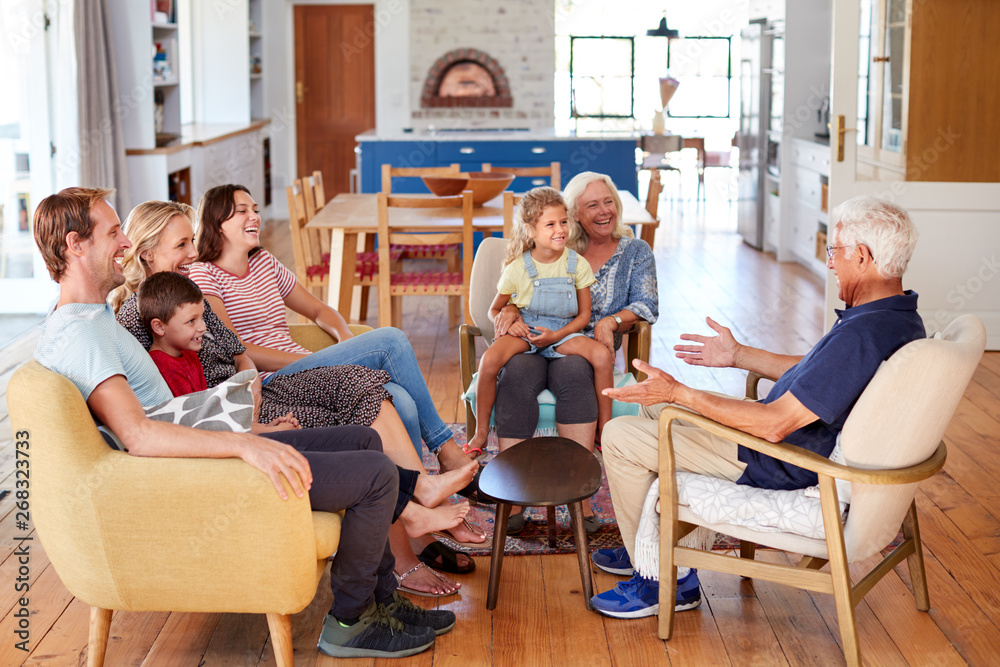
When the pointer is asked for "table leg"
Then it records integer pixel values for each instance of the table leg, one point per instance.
(343, 265)
(582, 550)
(550, 528)
(496, 562)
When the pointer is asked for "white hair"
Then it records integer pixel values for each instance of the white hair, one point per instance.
(882, 226)
(578, 239)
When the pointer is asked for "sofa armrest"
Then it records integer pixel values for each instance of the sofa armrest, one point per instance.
(181, 535)
(313, 338)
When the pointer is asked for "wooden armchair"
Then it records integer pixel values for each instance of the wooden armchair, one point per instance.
(890, 442)
(482, 288)
(162, 534)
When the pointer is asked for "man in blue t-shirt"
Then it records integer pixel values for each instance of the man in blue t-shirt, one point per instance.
(341, 468)
(872, 243)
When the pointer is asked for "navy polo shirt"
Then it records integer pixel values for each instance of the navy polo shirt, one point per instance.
(830, 379)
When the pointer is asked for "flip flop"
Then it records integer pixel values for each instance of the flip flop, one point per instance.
(442, 557)
(479, 451)
(468, 545)
(472, 492)
(400, 578)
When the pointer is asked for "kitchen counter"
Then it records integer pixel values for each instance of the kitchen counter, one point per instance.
(607, 153)
(494, 135)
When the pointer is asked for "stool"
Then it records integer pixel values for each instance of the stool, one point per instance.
(541, 472)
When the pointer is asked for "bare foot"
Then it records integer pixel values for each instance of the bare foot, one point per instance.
(418, 520)
(432, 490)
(425, 580)
(451, 456)
(467, 533)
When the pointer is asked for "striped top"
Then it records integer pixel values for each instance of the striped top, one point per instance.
(254, 301)
(84, 343)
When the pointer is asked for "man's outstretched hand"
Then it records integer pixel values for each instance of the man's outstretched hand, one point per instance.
(717, 351)
(659, 387)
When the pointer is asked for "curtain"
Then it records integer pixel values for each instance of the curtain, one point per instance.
(102, 140)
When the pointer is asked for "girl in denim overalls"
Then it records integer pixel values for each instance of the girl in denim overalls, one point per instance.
(550, 283)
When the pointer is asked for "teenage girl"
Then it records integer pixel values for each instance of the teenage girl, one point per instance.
(550, 284)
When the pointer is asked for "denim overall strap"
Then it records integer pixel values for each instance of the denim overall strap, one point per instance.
(529, 265)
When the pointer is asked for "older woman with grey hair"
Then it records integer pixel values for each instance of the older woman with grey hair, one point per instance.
(625, 292)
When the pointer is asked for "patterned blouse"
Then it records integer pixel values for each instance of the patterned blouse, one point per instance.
(626, 281)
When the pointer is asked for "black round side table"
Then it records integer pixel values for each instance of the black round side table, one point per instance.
(541, 472)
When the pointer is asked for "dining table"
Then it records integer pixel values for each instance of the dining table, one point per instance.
(351, 218)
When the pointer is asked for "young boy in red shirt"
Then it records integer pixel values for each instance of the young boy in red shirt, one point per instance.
(171, 307)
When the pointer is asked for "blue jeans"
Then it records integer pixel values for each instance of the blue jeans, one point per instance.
(387, 349)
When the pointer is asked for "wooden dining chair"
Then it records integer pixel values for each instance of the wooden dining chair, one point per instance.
(314, 199)
(389, 172)
(312, 264)
(450, 254)
(553, 172)
(510, 200)
(396, 283)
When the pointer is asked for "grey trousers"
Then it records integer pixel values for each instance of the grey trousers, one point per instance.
(351, 473)
(570, 378)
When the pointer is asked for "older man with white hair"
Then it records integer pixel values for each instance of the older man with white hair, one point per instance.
(872, 243)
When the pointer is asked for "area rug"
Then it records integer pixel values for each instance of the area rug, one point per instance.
(534, 539)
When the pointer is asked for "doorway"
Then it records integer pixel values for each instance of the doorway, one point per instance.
(334, 88)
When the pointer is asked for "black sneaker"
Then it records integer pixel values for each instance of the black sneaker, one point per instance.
(409, 614)
(376, 635)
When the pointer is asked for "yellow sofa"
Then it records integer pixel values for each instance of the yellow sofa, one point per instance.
(159, 534)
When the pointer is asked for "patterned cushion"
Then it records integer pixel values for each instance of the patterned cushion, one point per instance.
(720, 501)
(225, 407)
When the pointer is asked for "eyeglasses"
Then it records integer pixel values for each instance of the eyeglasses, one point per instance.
(831, 248)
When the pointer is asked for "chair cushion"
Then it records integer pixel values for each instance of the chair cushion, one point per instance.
(547, 404)
(718, 501)
(439, 251)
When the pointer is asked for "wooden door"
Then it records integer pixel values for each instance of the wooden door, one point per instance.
(335, 88)
(954, 266)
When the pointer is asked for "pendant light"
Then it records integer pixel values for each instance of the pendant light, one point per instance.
(662, 30)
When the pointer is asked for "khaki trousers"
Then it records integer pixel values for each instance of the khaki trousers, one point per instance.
(630, 446)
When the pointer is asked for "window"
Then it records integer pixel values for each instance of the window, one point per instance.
(703, 65)
(601, 77)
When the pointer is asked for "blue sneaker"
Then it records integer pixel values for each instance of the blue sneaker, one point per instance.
(638, 597)
(614, 561)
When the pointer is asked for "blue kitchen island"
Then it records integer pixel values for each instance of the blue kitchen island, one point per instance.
(611, 154)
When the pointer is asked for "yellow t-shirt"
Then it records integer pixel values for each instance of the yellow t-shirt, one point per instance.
(515, 281)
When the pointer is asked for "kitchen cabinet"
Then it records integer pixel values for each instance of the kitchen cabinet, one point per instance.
(808, 216)
(611, 155)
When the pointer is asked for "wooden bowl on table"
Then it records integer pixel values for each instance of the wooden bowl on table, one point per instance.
(484, 185)
(446, 186)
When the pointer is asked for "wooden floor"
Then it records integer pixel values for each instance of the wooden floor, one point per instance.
(540, 618)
